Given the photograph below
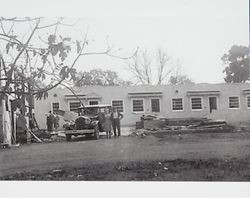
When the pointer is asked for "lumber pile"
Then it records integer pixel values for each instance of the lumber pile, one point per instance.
(153, 123)
(185, 121)
(210, 124)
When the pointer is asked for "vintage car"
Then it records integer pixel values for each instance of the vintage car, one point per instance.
(89, 122)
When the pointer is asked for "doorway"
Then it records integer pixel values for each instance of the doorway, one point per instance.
(212, 104)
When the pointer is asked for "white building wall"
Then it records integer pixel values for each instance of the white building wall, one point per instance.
(107, 94)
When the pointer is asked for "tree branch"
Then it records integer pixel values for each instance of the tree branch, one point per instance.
(27, 42)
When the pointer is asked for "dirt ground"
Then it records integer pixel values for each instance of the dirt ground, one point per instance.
(160, 157)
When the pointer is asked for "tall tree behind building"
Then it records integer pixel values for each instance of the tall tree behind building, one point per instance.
(159, 69)
(180, 80)
(99, 77)
(236, 61)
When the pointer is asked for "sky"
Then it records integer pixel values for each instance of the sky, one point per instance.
(195, 32)
(198, 32)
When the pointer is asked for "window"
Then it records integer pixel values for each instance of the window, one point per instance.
(248, 101)
(118, 104)
(196, 103)
(55, 106)
(93, 102)
(74, 105)
(138, 105)
(234, 102)
(177, 104)
(155, 105)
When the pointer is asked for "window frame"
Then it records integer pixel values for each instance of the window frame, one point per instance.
(143, 105)
(159, 105)
(51, 107)
(93, 101)
(182, 99)
(123, 107)
(248, 96)
(238, 102)
(72, 102)
(192, 103)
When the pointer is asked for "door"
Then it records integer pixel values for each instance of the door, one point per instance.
(212, 104)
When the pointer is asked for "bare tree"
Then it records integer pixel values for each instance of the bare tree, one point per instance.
(165, 66)
(144, 66)
(140, 66)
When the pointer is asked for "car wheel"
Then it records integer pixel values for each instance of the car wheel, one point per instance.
(89, 136)
(68, 137)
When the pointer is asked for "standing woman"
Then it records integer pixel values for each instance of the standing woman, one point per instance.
(56, 122)
(107, 122)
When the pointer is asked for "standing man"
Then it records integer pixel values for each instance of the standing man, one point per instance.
(116, 116)
(50, 122)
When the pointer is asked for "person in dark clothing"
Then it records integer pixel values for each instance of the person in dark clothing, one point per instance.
(116, 116)
(31, 121)
(50, 122)
(100, 116)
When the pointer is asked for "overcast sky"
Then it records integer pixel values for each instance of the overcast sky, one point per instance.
(197, 32)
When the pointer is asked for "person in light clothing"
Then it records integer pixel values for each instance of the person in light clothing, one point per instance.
(116, 116)
(56, 122)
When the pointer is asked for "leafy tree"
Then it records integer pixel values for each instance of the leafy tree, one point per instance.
(36, 57)
(99, 77)
(180, 80)
(237, 64)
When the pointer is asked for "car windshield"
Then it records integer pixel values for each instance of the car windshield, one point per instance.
(93, 110)
(89, 111)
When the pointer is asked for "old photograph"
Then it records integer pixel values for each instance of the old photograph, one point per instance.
(128, 91)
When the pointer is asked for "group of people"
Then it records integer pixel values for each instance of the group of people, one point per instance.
(111, 119)
(52, 122)
(108, 119)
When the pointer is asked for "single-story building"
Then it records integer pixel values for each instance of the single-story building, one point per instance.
(230, 102)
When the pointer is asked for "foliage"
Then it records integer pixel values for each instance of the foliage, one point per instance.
(99, 77)
(180, 80)
(237, 66)
(37, 56)
(36, 53)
